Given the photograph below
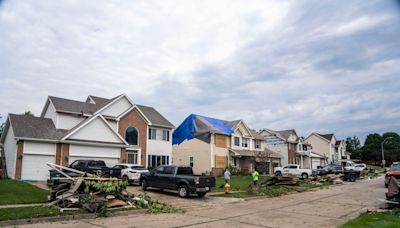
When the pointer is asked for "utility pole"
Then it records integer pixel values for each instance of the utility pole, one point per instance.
(383, 152)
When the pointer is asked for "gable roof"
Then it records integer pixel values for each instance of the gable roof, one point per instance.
(283, 134)
(99, 100)
(326, 136)
(155, 117)
(25, 126)
(73, 106)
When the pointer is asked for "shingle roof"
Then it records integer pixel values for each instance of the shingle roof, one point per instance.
(327, 136)
(286, 133)
(25, 126)
(100, 100)
(67, 105)
(256, 135)
(155, 117)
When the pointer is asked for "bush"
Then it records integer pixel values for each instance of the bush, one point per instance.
(235, 170)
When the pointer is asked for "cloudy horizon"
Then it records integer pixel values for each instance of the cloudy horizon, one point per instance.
(312, 66)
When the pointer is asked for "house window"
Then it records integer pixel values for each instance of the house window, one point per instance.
(132, 156)
(237, 141)
(157, 160)
(300, 147)
(191, 161)
(131, 136)
(152, 133)
(165, 135)
(257, 144)
(245, 142)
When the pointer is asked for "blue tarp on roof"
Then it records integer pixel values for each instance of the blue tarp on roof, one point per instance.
(196, 126)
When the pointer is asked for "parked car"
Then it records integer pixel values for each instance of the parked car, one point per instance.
(360, 167)
(394, 171)
(178, 178)
(96, 167)
(293, 169)
(131, 172)
(328, 169)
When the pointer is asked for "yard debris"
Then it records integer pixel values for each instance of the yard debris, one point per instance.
(281, 180)
(96, 194)
(393, 194)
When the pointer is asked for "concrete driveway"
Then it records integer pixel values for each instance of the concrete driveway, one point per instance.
(322, 208)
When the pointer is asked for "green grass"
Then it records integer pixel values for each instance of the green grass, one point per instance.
(16, 192)
(378, 169)
(31, 212)
(381, 220)
(238, 183)
(241, 183)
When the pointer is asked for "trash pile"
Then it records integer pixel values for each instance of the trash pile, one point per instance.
(96, 194)
(328, 178)
(281, 180)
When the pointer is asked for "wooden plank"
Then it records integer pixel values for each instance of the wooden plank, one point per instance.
(221, 141)
(221, 161)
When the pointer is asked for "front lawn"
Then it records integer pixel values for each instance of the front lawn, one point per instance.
(378, 169)
(31, 212)
(238, 183)
(16, 192)
(382, 220)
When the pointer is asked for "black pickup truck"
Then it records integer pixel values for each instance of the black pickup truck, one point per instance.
(96, 167)
(178, 178)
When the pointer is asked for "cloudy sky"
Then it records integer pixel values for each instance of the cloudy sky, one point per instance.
(316, 66)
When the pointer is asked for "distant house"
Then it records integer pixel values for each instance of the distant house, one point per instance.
(283, 142)
(210, 145)
(114, 130)
(306, 158)
(328, 146)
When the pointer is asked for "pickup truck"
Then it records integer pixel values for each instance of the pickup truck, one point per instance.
(293, 169)
(178, 178)
(96, 167)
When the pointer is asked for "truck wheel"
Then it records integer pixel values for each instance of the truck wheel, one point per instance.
(144, 185)
(183, 191)
(278, 173)
(304, 176)
(201, 194)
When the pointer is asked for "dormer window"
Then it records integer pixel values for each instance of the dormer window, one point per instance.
(131, 136)
(236, 141)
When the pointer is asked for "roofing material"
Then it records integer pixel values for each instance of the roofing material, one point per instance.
(254, 153)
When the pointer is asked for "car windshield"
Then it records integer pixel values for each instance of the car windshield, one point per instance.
(395, 167)
(139, 167)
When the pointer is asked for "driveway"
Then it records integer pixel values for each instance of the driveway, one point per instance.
(322, 208)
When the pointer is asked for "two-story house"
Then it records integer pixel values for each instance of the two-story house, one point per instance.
(210, 145)
(306, 158)
(283, 142)
(114, 130)
(324, 145)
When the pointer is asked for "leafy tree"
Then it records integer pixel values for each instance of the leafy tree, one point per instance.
(391, 146)
(372, 148)
(353, 146)
(2, 126)
(28, 113)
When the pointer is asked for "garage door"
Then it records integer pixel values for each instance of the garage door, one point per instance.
(34, 167)
(110, 155)
(315, 162)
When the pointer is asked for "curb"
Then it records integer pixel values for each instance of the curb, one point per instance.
(66, 218)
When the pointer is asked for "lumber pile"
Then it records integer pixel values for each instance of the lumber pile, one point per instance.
(281, 180)
(329, 178)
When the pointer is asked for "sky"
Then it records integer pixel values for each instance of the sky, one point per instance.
(313, 66)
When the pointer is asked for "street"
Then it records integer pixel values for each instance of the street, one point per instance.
(329, 207)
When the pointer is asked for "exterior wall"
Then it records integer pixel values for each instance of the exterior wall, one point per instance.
(113, 124)
(110, 155)
(97, 130)
(319, 145)
(65, 121)
(51, 113)
(58, 153)
(281, 149)
(199, 150)
(292, 153)
(159, 147)
(117, 108)
(10, 150)
(65, 154)
(18, 165)
(39, 148)
(134, 119)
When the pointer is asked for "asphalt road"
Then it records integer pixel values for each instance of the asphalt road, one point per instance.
(322, 208)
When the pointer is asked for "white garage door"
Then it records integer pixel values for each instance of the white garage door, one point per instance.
(34, 167)
(110, 155)
(315, 162)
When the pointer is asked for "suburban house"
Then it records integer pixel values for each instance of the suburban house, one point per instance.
(283, 142)
(305, 156)
(114, 130)
(328, 146)
(210, 145)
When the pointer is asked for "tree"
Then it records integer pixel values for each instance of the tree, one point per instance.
(28, 113)
(372, 148)
(263, 158)
(391, 146)
(353, 146)
(2, 126)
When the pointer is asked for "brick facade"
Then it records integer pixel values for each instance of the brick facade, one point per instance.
(291, 153)
(65, 154)
(134, 119)
(58, 154)
(18, 165)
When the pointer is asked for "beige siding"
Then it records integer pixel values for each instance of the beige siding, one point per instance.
(66, 121)
(117, 108)
(10, 150)
(199, 150)
(96, 130)
(319, 145)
